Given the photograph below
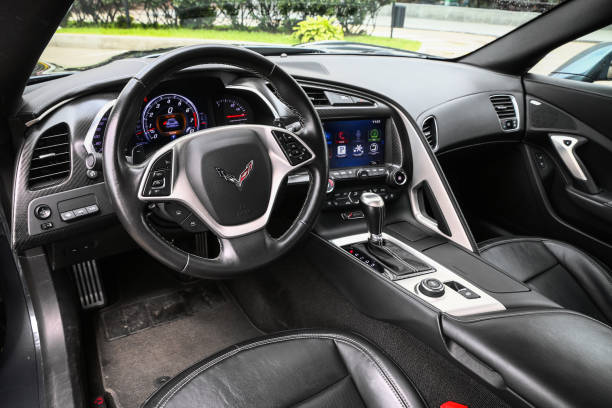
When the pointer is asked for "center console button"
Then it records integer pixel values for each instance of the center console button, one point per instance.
(468, 294)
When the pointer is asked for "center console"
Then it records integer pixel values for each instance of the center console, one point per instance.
(411, 269)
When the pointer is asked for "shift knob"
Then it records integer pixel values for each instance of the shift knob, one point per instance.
(373, 207)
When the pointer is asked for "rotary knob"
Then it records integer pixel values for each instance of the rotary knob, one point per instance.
(431, 287)
(399, 177)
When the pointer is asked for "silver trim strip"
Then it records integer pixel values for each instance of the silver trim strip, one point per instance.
(298, 178)
(567, 153)
(182, 192)
(88, 141)
(451, 302)
(423, 169)
(48, 112)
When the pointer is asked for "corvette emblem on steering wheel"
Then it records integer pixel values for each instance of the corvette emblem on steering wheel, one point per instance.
(232, 179)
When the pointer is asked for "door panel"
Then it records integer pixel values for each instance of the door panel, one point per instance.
(569, 125)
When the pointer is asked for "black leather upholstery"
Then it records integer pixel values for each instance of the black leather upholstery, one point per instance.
(549, 358)
(557, 270)
(294, 369)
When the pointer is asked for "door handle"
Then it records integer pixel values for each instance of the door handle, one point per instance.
(566, 145)
(566, 148)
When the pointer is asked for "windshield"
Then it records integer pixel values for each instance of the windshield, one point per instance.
(95, 32)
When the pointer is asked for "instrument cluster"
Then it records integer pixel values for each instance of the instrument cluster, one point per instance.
(167, 114)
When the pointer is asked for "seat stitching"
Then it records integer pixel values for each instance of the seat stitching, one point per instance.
(390, 382)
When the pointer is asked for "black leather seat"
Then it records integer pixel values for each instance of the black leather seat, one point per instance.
(557, 270)
(294, 369)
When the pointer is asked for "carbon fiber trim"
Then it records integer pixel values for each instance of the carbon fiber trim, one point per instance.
(78, 115)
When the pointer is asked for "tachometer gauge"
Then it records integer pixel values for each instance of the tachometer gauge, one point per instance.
(232, 110)
(169, 116)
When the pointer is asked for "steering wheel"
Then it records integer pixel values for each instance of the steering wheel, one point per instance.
(228, 177)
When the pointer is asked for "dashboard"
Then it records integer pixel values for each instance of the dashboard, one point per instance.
(367, 122)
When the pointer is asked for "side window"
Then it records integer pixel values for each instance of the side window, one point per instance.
(587, 59)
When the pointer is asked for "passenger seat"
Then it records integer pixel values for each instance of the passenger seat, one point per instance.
(557, 270)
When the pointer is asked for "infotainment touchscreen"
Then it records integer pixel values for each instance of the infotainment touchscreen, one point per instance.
(354, 143)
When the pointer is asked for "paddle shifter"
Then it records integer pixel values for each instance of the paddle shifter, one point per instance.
(398, 262)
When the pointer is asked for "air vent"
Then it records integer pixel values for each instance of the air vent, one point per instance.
(51, 158)
(317, 96)
(430, 131)
(505, 107)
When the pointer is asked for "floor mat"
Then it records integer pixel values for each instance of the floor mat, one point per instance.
(142, 343)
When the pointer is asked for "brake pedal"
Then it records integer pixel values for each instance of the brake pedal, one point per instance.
(89, 285)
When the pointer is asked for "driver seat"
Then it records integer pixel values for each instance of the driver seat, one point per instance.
(297, 369)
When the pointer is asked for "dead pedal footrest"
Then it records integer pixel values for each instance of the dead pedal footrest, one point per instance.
(89, 285)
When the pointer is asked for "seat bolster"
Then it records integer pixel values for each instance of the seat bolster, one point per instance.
(522, 258)
(591, 275)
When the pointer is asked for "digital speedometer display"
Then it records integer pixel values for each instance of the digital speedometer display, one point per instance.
(169, 116)
(166, 115)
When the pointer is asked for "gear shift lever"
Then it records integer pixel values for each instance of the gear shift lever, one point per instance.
(374, 209)
(398, 262)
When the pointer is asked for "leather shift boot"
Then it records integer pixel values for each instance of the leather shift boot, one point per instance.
(398, 261)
